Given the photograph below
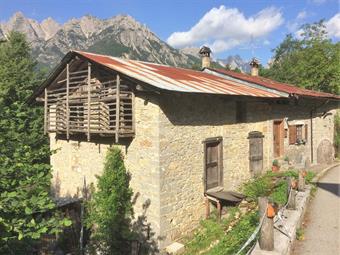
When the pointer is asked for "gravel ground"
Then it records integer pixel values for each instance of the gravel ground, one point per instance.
(322, 221)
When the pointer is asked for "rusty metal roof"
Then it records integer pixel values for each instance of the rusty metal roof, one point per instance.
(177, 79)
(279, 86)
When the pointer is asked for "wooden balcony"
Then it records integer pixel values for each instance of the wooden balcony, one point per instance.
(90, 104)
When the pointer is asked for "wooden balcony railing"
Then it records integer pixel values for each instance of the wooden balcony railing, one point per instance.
(82, 103)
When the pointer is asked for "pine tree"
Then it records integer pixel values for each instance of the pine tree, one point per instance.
(110, 210)
(25, 172)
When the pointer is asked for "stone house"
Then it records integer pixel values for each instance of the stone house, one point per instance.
(182, 132)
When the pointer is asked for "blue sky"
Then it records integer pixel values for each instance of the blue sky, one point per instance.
(247, 28)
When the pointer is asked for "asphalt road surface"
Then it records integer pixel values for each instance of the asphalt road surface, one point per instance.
(322, 220)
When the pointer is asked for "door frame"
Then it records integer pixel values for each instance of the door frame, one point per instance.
(281, 137)
(218, 139)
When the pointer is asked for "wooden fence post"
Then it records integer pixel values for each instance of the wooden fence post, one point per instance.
(266, 240)
(301, 183)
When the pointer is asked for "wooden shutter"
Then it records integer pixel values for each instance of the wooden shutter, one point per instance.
(306, 132)
(292, 134)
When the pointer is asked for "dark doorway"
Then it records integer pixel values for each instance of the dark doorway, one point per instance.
(213, 169)
(255, 152)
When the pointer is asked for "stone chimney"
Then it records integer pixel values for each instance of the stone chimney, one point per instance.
(254, 63)
(205, 54)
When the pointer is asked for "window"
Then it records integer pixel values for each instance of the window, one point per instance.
(213, 169)
(298, 134)
(241, 112)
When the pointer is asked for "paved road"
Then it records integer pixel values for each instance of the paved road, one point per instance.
(322, 221)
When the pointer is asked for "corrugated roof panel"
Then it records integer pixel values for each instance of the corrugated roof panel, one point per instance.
(177, 79)
(271, 84)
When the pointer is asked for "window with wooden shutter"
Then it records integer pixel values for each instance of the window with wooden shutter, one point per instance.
(306, 133)
(292, 134)
(213, 168)
(299, 137)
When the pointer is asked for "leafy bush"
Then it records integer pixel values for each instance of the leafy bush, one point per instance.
(279, 193)
(26, 208)
(258, 187)
(110, 210)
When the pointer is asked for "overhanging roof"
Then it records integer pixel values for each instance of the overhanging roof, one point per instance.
(275, 85)
(166, 77)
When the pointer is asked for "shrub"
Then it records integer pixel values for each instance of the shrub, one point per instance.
(110, 210)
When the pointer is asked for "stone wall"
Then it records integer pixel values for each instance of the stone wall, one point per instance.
(77, 158)
(186, 121)
(165, 158)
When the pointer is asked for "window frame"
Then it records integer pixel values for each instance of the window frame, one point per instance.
(206, 143)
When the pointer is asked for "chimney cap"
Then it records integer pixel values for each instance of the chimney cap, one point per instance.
(254, 62)
(204, 51)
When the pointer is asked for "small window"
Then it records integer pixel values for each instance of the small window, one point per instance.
(241, 112)
(213, 168)
(298, 134)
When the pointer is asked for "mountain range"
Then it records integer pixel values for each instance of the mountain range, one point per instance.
(120, 36)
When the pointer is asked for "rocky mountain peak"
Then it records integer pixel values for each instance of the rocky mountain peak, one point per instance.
(50, 27)
(120, 36)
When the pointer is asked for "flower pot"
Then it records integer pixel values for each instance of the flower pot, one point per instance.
(275, 169)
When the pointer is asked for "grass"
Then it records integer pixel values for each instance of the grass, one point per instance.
(300, 234)
(227, 237)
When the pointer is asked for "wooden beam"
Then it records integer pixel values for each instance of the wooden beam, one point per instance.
(117, 106)
(133, 111)
(67, 101)
(88, 100)
(45, 113)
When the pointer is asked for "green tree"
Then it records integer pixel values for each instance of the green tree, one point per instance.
(312, 62)
(110, 210)
(25, 172)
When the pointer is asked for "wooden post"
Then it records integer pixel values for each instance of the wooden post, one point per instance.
(219, 211)
(45, 113)
(301, 183)
(88, 100)
(291, 195)
(207, 208)
(266, 240)
(67, 102)
(117, 106)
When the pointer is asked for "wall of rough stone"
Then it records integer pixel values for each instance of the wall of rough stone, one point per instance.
(186, 121)
(77, 158)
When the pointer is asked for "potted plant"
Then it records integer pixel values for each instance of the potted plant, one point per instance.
(275, 166)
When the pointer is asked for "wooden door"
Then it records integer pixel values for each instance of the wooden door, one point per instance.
(278, 138)
(255, 152)
(213, 164)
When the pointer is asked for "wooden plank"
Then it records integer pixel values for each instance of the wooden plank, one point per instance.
(117, 106)
(133, 111)
(88, 99)
(67, 101)
(266, 240)
(45, 113)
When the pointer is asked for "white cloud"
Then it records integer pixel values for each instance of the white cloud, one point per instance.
(318, 2)
(266, 42)
(333, 26)
(301, 15)
(224, 28)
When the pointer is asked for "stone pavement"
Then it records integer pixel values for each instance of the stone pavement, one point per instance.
(322, 221)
